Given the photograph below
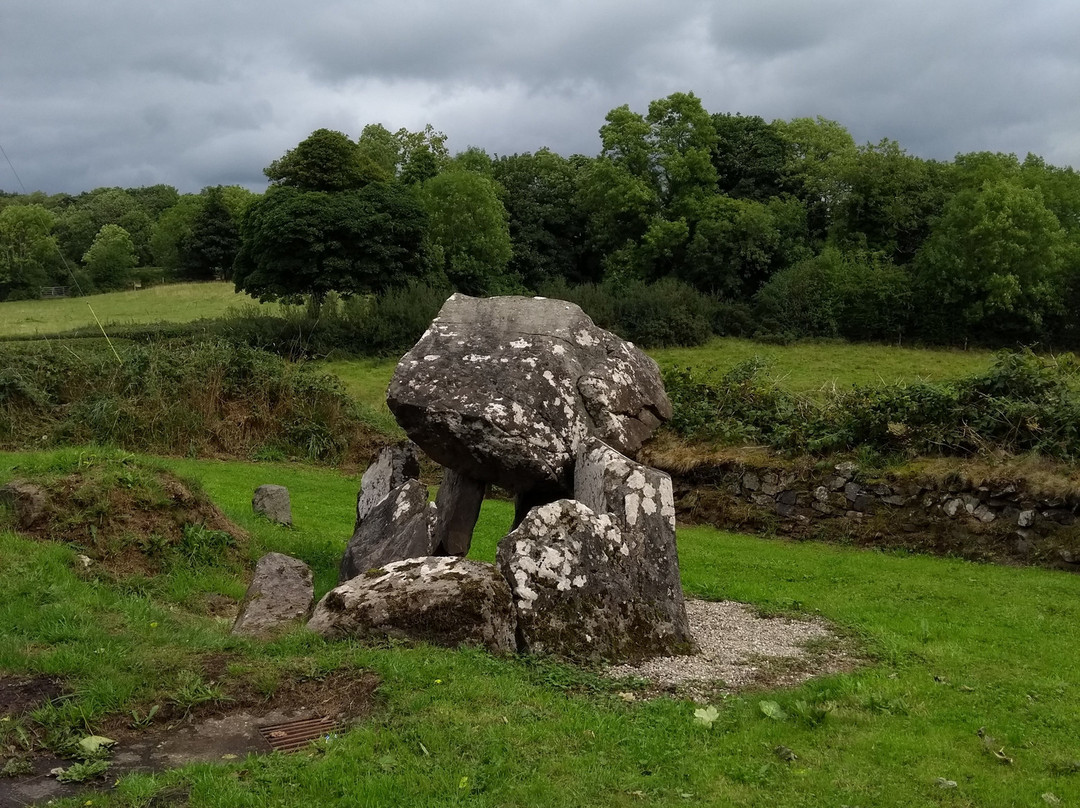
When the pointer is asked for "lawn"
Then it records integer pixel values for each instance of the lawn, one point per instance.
(951, 647)
(176, 303)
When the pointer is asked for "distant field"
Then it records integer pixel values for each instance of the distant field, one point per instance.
(804, 368)
(820, 367)
(175, 303)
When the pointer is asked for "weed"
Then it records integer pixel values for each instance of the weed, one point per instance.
(201, 546)
(191, 690)
(84, 772)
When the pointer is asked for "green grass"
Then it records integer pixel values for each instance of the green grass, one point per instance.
(812, 367)
(818, 367)
(953, 646)
(174, 303)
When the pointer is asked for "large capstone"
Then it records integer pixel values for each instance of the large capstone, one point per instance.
(438, 599)
(575, 578)
(392, 468)
(401, 526)
(641, 502)
(505, 389)
(281, 595)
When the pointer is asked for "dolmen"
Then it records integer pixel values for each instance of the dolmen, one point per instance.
(529, 395)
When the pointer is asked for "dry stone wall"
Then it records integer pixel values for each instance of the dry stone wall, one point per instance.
(987, 520)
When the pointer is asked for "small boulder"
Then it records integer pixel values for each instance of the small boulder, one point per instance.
(401, 526)
(281, 594)
(272, 501)
(392, 468)
(574, 578)
(26, 502)
(440, 600)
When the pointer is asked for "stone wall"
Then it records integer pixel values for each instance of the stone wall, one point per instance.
(1001, 520)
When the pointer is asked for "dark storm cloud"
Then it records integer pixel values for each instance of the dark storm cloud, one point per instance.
(197, 93)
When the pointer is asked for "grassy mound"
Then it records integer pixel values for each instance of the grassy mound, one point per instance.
(131, 517)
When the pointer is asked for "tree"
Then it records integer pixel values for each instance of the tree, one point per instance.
(547, 226)
(469, 231)
(380, 152)
(750, 157)
(27, 249)
(110, 258)
(171, 229)
(422, 154)
(324, 161)
(296, 242)
(994, 262)
(209, 249)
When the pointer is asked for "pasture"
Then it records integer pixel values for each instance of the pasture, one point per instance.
(173, 303)
(948, 648)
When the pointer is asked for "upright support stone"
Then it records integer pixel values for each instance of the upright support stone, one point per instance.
(392, 468)
(272, 501)
(399, 527)
(458, 504)
(641, 502)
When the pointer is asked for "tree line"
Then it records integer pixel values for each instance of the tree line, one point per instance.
(786, 227)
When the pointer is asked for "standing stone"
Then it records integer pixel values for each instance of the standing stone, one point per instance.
(458, 504)
(272, 501)
(392, 468)
(281, 594)
(574, 574)
(504, 390)
(399, 527)
(439, 600)
(26, 502)
(641, 503)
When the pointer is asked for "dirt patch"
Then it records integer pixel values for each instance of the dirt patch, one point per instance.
(211, 732)
(19, 695)
(740, 650)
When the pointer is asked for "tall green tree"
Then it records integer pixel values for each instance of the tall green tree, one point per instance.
(469, 231)
(27, 249)
(325, 160)
(209, 249)
(750, 157)
(296, 242)
(111, 258)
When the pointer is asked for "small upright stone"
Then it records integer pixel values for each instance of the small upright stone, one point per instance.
(401, 526)
(272, 501)
(26, 502)
(281, 594)
(392, 468)
(458, 504)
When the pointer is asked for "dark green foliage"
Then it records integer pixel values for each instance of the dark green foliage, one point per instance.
(174, 398)
(209, 250)
(652, 315)
(324, 161)
(297, 242)
(1023, 403)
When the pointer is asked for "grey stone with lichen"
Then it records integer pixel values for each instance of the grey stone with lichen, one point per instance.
(576, 583)
(436, 599)
(641, 502)
(281, 595)
(272, 501)
(391, 468)
(401, 526)
(458, 504)
(505, 389)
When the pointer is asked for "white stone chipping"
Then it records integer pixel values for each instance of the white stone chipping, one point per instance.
(736, 649)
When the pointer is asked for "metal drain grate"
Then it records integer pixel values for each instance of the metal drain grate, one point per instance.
(292, 735)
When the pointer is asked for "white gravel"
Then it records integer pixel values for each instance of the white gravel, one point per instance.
(737, 648)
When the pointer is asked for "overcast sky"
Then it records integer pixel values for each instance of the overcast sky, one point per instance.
(207, 92)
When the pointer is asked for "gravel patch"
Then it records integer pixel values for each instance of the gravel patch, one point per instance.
(739, 649)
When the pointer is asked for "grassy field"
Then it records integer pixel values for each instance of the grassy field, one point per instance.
(175, 303)
(952, 647)
(806, 368)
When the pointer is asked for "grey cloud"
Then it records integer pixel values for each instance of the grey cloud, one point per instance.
(199, 92)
